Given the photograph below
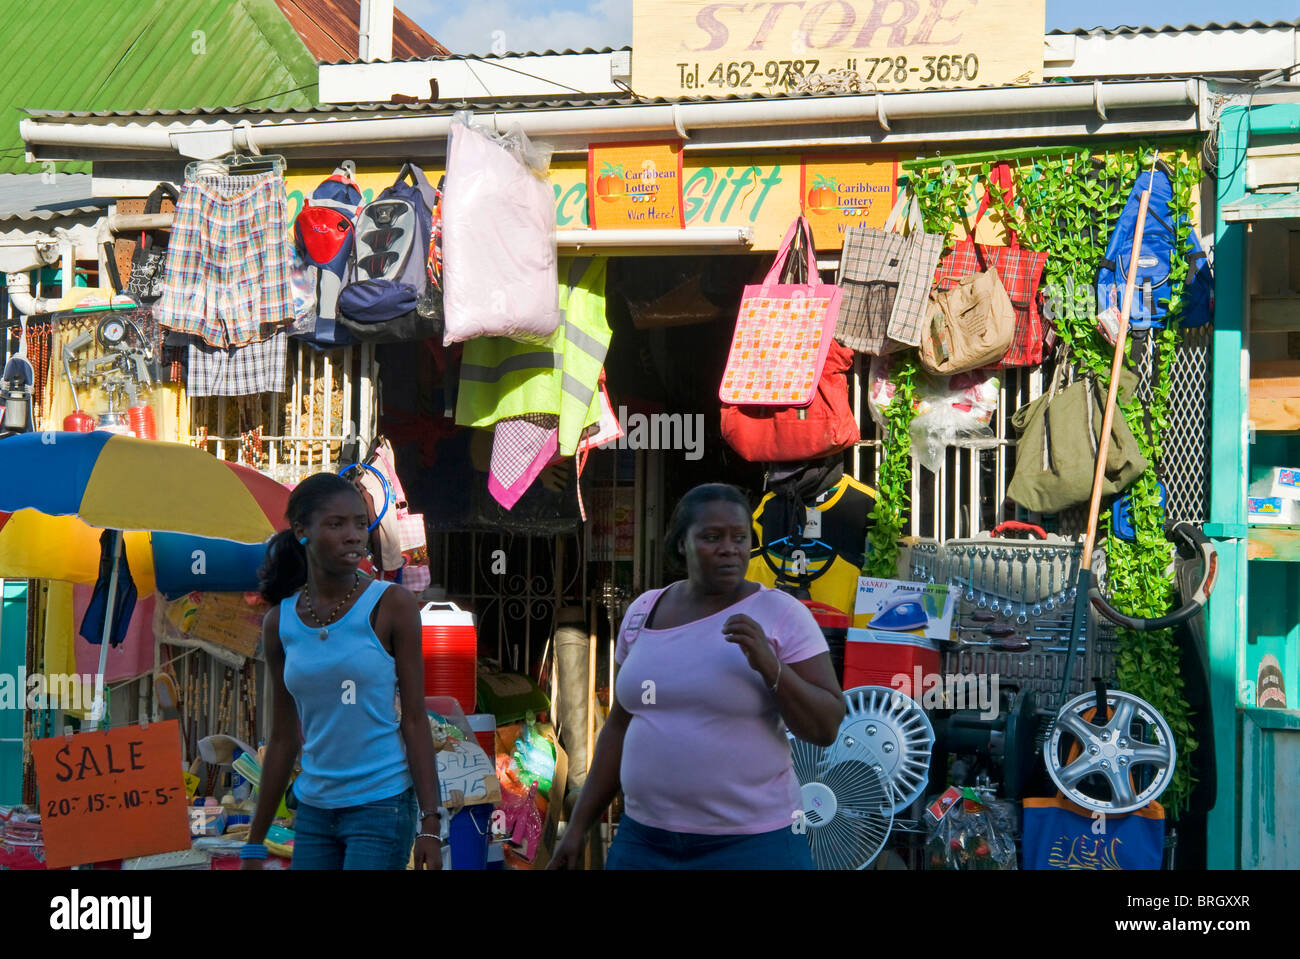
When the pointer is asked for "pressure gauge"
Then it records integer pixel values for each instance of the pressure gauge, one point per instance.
(111, 332)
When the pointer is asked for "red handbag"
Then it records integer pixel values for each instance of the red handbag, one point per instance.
(787, 434)
(1019, 269)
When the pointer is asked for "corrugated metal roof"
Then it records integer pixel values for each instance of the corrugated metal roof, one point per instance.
(1170, 28)
(494, 56)
(32, 196)
(110, 55)
(329, 29)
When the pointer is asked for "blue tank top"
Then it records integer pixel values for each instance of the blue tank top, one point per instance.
(345, 688)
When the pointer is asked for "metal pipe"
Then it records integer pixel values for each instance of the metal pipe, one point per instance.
(19, 287)
(128, 222)
(644, 118)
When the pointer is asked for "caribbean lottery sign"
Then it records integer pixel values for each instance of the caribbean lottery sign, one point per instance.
(635, 186)
(693, 47)
(840, 192)
(111, 795)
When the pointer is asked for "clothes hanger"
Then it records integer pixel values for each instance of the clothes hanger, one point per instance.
(236, 164)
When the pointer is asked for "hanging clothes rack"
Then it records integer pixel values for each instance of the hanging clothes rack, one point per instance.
(236, 164)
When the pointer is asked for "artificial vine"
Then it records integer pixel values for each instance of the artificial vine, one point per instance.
(894, 479)
(1067, 201)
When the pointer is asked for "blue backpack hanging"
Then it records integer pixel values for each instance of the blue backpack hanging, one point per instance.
(324, 237)
(1153, 289)
(387, 299)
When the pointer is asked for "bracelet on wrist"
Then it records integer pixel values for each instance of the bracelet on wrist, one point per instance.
(428, 835)
(777, 682)
(253, 850)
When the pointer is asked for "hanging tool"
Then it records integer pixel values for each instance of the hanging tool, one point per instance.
(17, 385)
(1084, 582)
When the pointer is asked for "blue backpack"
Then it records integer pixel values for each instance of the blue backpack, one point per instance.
(386, 300)
(324, 235)
(1153, 289)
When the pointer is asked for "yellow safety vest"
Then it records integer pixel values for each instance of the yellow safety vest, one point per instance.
(502, 378)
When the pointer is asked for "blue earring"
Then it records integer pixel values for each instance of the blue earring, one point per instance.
(303, 541)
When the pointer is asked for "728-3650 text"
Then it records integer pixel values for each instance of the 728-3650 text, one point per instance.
(748, 74)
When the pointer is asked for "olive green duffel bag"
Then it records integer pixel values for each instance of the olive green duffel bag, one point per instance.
(1057, 450)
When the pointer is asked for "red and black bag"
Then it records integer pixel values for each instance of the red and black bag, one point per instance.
(1019, 269)
(788, 434)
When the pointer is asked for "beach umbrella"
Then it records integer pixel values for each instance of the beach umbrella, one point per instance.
(61, 490)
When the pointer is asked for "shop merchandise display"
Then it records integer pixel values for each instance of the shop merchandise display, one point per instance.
(499, 258)
(825, 564)
(783, 332)
(386, 298)
(970, 325)
(1059, 438)
(227, 268)
(1020, 271)
(540, 398)
(798, 433)
(975, 833)
(324, 240)
(886, 276)
(1154, 279)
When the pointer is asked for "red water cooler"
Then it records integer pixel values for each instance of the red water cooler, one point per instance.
(449, 641)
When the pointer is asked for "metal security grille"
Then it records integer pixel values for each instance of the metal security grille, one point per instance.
(302, 431)
(1186, 466)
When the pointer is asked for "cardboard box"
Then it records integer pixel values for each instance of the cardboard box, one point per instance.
(1285, 483)
(1276, 510)
(922, 609)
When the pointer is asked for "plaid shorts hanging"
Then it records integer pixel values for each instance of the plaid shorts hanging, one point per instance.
(1019, 269)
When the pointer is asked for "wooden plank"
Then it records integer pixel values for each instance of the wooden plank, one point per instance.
(1274, 314)
(1275, 415)
(1281, 543)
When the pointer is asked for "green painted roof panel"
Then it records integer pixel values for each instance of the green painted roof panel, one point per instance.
(144, 54)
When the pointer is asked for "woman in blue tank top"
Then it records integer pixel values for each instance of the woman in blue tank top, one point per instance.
(343, 651)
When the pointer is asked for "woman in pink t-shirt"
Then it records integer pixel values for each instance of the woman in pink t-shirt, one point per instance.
(714, 669)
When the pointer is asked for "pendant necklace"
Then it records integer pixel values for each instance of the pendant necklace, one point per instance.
(329, 620)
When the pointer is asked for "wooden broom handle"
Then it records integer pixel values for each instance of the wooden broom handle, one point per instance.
(1116, 365)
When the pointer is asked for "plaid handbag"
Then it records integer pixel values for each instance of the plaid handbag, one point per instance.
(1019, 269)
(784, 330)
(886, 276)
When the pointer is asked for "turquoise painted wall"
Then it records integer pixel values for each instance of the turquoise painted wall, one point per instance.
(13, 652)
(1256, 605)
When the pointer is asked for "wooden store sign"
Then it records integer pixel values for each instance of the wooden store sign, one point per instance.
(702, 47)
(762, 191)
(111, 795)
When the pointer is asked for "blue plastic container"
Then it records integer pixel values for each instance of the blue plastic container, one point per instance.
(469, 834)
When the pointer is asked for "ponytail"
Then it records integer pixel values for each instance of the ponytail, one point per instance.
(284, 571)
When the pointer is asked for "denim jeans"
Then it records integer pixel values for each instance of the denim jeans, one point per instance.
(637, 846)
(376, 835)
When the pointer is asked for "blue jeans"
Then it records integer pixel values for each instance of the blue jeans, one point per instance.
(637, 846)
(376, 835)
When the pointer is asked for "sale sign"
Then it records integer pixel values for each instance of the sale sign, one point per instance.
(839, 192)
(635, 186)
(111, 795)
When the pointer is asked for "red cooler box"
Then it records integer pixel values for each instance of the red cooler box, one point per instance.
(873, 657)
(449, 640)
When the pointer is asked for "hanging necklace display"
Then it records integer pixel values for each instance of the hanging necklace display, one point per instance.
(329, 620)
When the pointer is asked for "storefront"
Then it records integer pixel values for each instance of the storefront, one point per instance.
(688, 202)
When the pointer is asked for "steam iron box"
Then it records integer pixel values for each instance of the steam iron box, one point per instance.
(921, 609)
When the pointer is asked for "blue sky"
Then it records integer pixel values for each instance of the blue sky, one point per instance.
(477, 25)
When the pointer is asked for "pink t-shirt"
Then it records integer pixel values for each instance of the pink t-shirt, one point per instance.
(706, 750)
